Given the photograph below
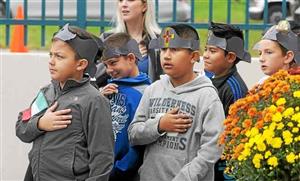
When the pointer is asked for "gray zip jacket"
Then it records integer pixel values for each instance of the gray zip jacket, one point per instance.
(83, 150)
(172, 156)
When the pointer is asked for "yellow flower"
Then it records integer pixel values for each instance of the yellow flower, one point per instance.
(290, 124)
(272, 108)
(295, 130)
(272, 161)
(280, 126)
(287, 136)
(272, 126)
(268, 135)
(296, 117)
(257, 138)
(245, 153)
(256, 160)
(261, 146)
(288, 141)
(296, 94)
(288, 112)
(276, 142)
(280, 101)
(250, 143)
(277, 117)
(227, 170)
(267, 154)
(291, 157)
(248, 133)
(254, 131)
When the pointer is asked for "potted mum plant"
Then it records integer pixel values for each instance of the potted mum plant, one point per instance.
(262, 131)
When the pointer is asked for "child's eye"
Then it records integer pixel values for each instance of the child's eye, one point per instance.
(269, 52)
(60, 56)
(163, 49)
(112, 63)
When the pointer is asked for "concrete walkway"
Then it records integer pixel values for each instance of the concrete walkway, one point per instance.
(21, 76)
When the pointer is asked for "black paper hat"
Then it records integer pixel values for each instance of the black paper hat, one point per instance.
(234, 44)
(130, 47)
(86, 48)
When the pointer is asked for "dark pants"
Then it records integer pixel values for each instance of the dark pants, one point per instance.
(28, 175)
(219, 171)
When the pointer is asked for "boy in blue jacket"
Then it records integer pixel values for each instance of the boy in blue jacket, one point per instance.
(124, 91)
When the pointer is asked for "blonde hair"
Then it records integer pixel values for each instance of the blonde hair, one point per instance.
(283, 26)
(150, 25)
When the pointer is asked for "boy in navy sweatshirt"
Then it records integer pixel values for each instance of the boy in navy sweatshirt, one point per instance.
(223, 50)
(124, 90)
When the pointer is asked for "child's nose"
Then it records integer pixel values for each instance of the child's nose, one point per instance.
(167, 53)
(205, 54)
(51, 60)
(124, 3)
(109, 70)
(261, 58)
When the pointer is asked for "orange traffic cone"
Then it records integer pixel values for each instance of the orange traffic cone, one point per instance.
(17, 41)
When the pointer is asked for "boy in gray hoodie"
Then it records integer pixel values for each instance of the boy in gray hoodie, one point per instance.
(180, 116)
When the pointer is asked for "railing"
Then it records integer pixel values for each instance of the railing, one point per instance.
(83, 22)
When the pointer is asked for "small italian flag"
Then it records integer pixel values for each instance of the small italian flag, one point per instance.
(39, 104)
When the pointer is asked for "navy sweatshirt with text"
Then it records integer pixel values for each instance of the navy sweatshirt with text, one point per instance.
(123, 107)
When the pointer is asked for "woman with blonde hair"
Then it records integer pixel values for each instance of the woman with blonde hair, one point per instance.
(137, 18)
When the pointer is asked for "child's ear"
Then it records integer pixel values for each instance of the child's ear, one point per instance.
(145, 7)
(289, 57)
(195, 56)
(230, 57)
(131, 57)
(82, 64)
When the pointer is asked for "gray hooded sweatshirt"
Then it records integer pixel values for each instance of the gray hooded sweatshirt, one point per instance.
(172, 156)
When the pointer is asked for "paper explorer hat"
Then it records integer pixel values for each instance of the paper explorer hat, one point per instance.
(86, 48)
(234, 44)
(282, 34)
(130, 47)
(169, 39)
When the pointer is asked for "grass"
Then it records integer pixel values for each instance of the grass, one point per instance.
(34, 36)
(238, 16)
(201, 15)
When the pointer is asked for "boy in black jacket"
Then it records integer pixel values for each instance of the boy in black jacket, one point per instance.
(224, 49)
